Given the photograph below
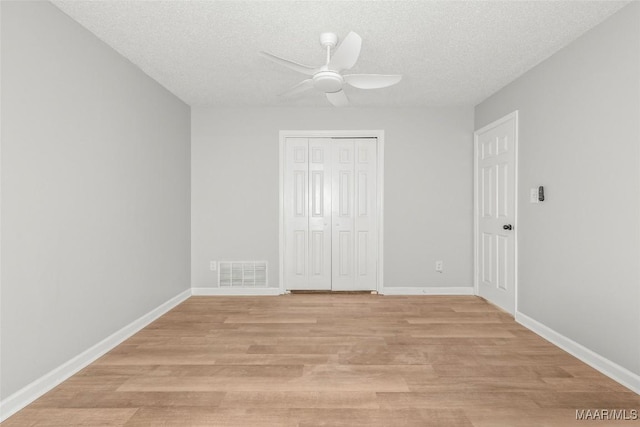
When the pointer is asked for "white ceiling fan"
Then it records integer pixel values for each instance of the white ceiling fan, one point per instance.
(328, 78)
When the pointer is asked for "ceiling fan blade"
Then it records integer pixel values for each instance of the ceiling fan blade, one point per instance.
(299, 88)
(290, 64)
(338, 99)
(347, 53)
(372, 81)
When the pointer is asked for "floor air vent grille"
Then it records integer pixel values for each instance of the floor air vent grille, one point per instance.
(242, 274)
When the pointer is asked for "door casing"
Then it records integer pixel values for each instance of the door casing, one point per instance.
(476, 200)
(379, 135)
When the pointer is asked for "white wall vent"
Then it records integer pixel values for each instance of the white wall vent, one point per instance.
(242, 274)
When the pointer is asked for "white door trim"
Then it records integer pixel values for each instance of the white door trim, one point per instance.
(379, 134)
(510, 116)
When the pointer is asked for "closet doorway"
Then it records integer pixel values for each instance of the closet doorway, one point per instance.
(331, 210)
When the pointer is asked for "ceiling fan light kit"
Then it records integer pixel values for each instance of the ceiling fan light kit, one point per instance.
(328, 78)
(328, 81)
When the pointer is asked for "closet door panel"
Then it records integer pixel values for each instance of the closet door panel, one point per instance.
(319, 213)
(296, 213)
(365, 218)
(343, 187)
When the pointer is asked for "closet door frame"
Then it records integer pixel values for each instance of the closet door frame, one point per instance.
(379, 135)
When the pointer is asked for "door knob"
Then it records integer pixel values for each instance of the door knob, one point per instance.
(507, 227)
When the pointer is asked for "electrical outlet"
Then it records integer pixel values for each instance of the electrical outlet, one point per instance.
(213, 266)
(439, 266)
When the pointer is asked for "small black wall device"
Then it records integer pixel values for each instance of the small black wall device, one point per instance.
(541, 194)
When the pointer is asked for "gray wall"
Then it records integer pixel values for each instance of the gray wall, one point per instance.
(579, 251)
(428, 187)
(95, 192)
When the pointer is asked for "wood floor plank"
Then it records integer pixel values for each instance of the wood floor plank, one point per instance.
(272, 359)
(135, 399)
(457, 400)
(465, 385)
(572, 399)
(306, 383)
(331, 360)
(179, 417)
(300, 399)
(341, 417)
(231, 371)
(500, 417)
(70, 417)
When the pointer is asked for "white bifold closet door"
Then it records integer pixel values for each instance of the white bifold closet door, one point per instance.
(330, 214)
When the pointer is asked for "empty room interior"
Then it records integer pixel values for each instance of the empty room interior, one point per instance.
(305, 213)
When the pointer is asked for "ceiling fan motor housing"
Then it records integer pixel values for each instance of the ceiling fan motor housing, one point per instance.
(328, 39)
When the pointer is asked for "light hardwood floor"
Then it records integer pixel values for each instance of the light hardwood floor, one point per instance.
(332, 360)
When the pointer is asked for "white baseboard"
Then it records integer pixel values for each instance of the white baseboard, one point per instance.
(423, 290)
(235, 291)
(18, 400)
(591, 358)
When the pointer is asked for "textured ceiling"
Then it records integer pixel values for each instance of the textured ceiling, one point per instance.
(449, 52)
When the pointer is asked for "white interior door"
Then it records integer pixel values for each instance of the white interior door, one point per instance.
(330, 214)
(296, 203)
(495, 152)
(307, 212)
(320, 213)
(366, 225)
(354, 214)
(343, 250)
